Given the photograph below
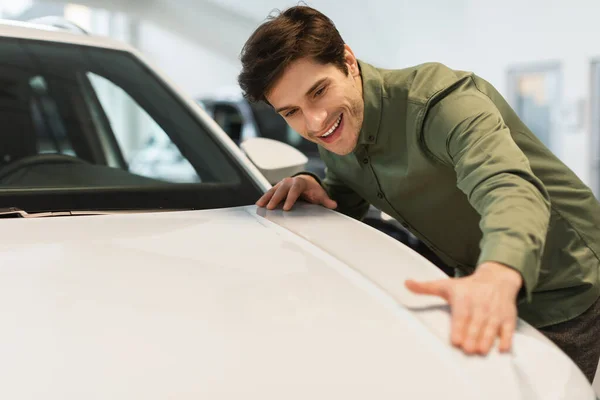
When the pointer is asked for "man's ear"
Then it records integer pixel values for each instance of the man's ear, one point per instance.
(351, 61)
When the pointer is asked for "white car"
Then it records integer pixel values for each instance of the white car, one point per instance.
(186, 290)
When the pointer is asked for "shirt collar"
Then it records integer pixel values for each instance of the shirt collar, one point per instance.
(372, 84)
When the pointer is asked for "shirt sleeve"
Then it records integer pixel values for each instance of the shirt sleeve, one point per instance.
(349, 202)
(466, 131)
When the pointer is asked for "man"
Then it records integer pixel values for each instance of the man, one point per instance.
(443, 153)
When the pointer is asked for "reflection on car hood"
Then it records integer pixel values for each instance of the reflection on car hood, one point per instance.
(240, 303)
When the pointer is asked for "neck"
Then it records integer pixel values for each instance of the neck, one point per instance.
(359, 84)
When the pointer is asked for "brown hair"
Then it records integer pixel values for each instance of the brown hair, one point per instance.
(293, 34)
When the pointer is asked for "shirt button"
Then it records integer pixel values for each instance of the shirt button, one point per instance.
(371, 138)
(380, 195)
(365, 161)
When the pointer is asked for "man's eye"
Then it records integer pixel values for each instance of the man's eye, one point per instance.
(290, 113)
(320, 91)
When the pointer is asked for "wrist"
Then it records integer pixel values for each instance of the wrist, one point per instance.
(502, 273)
(310, 178)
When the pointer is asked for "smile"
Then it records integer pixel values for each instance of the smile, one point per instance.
(333, 128)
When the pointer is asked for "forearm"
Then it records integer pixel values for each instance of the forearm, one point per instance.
(514, 220)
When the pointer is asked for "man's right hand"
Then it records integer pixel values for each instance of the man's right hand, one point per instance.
(291, 189)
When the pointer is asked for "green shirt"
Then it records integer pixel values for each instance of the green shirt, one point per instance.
(442, 152)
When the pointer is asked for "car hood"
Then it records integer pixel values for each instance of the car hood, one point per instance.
(240, 303)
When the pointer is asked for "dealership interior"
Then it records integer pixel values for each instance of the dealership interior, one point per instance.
(542, 56)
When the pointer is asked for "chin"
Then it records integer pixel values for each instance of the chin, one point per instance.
(347, 147)
(342, 150)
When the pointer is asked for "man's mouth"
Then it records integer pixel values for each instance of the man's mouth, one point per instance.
(327, 136)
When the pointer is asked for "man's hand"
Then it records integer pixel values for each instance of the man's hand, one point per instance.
(291, 189)
(483, 306)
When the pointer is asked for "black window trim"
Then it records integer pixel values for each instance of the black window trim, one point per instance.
(177, 196)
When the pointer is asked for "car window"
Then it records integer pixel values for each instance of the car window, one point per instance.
(49, 126)
(146, 147)
(230, 119)
(84, 118)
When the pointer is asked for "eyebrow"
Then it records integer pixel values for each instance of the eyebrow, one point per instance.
(309, 91)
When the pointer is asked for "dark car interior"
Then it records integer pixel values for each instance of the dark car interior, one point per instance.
(56, 138)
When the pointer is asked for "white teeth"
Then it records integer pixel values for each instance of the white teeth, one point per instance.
(330, 131)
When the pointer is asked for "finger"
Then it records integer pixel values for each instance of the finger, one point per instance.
(327, 202)
(474, 330)
(266, 197)
(295, 191)
(439, 288)
(488, 335)
(506, 334)
(278, 196)
(461, 315)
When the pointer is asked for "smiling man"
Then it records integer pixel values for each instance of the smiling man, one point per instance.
(339, 109)
(442, 152)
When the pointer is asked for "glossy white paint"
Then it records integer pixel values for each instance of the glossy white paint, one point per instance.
(239, 303)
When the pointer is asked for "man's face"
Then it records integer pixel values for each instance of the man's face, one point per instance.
(321, 103)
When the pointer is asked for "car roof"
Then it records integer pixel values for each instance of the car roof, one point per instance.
(49, 33)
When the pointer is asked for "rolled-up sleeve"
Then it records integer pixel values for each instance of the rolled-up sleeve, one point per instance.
(465, 130)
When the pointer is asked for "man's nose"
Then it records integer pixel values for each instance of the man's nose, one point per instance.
(315, 119)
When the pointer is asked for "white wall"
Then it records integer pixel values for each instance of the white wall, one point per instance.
(194, 68)
(196, 42)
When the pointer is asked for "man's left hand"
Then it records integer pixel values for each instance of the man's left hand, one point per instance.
(483, 306)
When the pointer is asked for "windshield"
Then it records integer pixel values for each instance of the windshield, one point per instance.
(90, 128)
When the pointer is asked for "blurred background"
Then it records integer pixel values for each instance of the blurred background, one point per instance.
(543, 55)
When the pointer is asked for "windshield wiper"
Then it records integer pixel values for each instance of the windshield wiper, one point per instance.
(15, 212)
